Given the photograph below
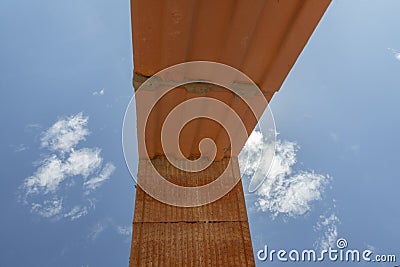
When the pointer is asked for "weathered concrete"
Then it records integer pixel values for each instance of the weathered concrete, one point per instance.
(216, 234)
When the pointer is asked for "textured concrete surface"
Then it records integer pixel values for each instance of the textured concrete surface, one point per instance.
(216, 234)
(262, 38)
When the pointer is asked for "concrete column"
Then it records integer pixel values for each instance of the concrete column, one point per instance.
(216, 234)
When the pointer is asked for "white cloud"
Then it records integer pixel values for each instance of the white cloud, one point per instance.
(97, 229)
(32, 127)
(65, 170)
(99, 93)
(19, 148)
(251, 155)
(108, 223)
(53, 170)
(284, 191)
(47, 177)
(124, 230)
(49, 208)
(395, 53)
(65, 133)
(105, 174)
(78, 211)
(327, 225)
(83, 162)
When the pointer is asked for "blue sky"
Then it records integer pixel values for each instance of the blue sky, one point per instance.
(336, 114)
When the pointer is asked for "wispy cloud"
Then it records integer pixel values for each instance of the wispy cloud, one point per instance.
(284, 191)
(395, 52)
(371, 247)
(124, 230)
(327, 226)
(97, 229)
(19, 148)
(79, 211)
(65, 169)
(48, 208)
(97, 181)
(99, 93)
(108, 223)
(32, 126)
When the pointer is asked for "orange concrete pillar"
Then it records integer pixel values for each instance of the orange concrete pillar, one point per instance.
(260, 38)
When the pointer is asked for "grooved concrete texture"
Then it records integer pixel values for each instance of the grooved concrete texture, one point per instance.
(261, 38)
(216, 234)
